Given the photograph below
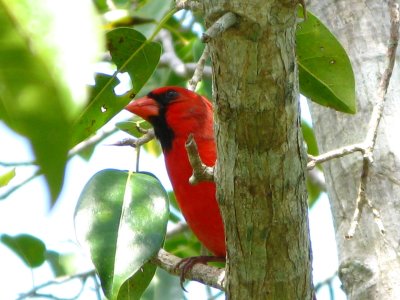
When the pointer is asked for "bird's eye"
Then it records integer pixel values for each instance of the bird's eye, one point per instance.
(171, 95)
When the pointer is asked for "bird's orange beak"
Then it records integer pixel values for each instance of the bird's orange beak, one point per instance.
(144, 107)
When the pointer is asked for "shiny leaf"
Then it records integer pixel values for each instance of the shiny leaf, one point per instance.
(121, 219)
(135, 286)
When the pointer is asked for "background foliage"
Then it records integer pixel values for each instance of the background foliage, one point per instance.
(46, 97)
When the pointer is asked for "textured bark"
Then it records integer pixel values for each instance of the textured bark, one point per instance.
(260, 171)
(369, 263)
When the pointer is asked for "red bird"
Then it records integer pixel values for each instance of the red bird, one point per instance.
(175, 113)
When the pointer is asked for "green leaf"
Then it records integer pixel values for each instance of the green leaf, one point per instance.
(132, 53)
(42, 79)
(7, 177)
(184, 244)
(104, 104)
(61, 263)
(121, 219)
(135, 286)
(309, 138)
(155, 10)
(27, 247)
(325, 72)
(314, 191)
(131, 127)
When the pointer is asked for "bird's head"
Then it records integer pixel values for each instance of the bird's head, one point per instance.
(174, 112)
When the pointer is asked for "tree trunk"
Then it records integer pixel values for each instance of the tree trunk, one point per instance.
(261, 160)
(369, 263)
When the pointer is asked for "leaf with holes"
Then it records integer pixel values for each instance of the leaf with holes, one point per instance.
(325, 72)
(104, 104)
(132, 53)
(121, 218)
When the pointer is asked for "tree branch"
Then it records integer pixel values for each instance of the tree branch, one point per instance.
(336, 153)
(93, 140)
(198, 72)
(221, 25)
(170, 59)
(208, 275)
(201, 172)
(147, 137)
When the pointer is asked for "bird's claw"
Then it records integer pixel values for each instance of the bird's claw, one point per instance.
(186, 264)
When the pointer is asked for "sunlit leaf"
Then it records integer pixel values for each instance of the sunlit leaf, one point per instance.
(121, 219)
(27, 247)
(135, 286)
(43, 74)
(7, 177)
(155, 10)
(104, 104)
(132, 53)
(61, 263)
(325, 71)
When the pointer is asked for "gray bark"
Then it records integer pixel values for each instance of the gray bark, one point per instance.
(369, 263)
(260, 170)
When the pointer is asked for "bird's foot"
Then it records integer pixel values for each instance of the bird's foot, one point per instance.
(186, 264)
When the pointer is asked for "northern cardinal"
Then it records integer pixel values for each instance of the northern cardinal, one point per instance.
(175, 113)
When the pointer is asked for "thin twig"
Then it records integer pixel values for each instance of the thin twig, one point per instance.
(5, 195)
(385, 79)
(336, 153)
(58, 281)
(18, 164)
(198, 72)
(327, 282)
(170, 59)
(201, 172)
(360, 201)
(211, 276)
(220, 26)
(93, 140)
(373, 126)
(147, 137)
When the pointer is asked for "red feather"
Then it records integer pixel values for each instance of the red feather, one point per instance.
(175, 113)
